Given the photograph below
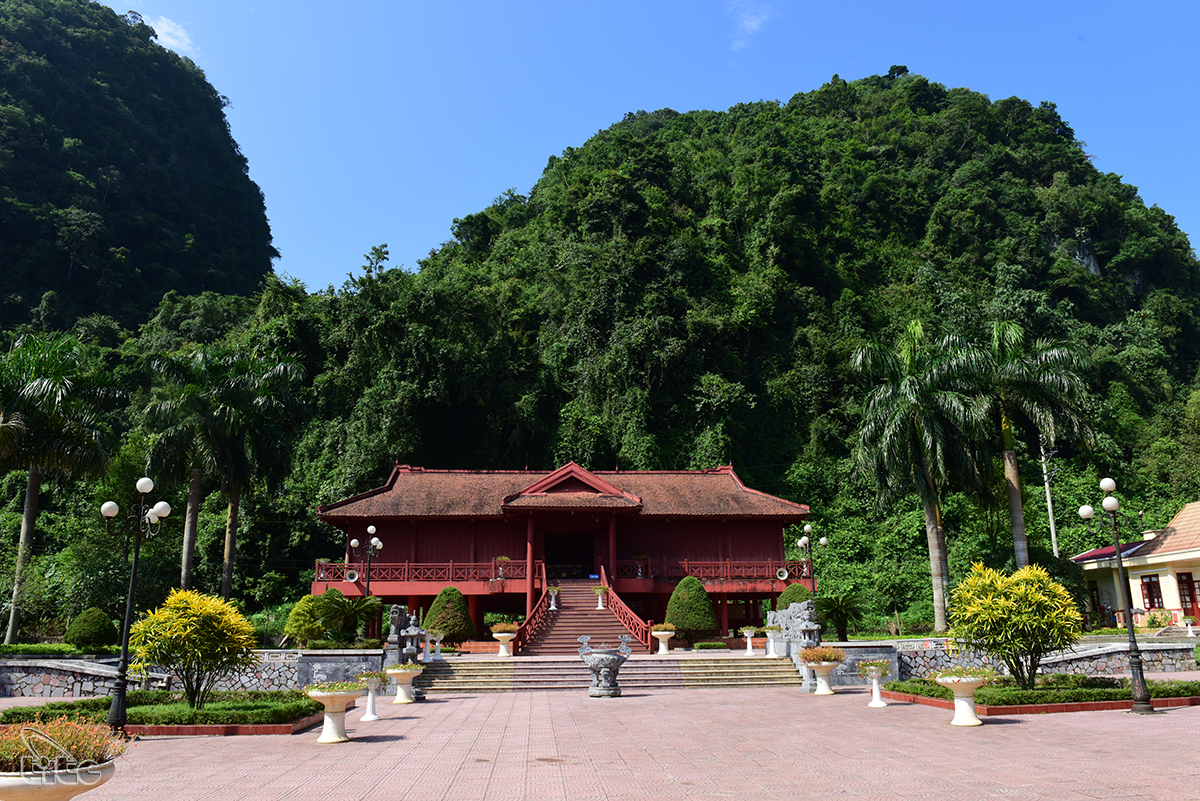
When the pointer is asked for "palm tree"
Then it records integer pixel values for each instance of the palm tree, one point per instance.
(47, 422)
(1038, 386)
(219, 412)
(920, 430)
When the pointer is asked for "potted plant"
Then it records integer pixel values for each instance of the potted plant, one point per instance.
(662, 632)
(553, 593)
(504, 632)
(875, 669)
(821, 660)
(438, 635)
(1190, 621)
(57, 759)
(501, 561)
(963, 681)
(600, 592)
(336, 696)
(373, 680)
(773, 634)
(748, 632)
(404, 675)
(641, 562)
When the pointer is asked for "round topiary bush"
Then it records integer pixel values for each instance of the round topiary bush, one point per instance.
(91, 627)
(448, 614)
(690, 609)
(794, 594)
(303, 625)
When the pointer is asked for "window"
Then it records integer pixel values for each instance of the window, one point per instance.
(1151, 593)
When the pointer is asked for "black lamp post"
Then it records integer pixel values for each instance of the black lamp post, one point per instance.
(372, 548)
(806, 545)
(142, 523)
(1141, 694)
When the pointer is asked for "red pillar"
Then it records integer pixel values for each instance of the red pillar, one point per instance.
(529, 567)
(476, 613)
(612, 548)
(723, 619)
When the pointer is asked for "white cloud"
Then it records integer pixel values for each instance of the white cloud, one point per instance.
(171, 34)
(748, 17)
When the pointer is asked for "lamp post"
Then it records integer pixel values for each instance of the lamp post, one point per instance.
(142, 523)
(371, 548)
(1141, 694)
(806, 545)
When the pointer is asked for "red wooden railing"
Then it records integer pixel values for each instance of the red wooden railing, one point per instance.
(527, 629)
(637, 627)
(728, 569)
(423, 571)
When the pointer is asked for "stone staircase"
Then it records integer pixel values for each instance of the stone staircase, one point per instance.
(577, 615)
(639, 673)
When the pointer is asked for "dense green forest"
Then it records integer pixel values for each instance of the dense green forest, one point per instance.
(680, 291)
(119, 179)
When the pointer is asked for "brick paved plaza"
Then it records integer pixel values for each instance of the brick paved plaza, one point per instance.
(770, 743)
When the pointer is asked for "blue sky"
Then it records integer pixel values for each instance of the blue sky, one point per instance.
(376, 122)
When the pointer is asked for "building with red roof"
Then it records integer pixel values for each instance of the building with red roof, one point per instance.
(1163, 569)
(503, 536)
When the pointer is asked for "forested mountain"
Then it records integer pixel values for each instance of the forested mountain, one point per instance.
(688, 289)
(119, 179)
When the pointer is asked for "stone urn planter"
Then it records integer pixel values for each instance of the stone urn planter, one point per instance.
(749, 633)
(963, 687)
(773, 637)
(600, 592)
(821, 660)
(404, 679)
(52, 773)
(374, 681)
(553, 593)
(875, 669)
(504, 633)
(335, 696)
(663, 638)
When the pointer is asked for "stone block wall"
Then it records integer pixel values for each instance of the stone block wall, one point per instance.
(1156, 658)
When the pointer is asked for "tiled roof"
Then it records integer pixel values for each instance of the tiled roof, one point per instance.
(1181, 534)
(417, 492)
(1108, 552)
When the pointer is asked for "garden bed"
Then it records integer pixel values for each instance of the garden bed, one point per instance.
(166, 713)
(1057, 693)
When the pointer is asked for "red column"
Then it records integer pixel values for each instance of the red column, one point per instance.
(723, 600)
(476, 613)
(529, 567)
(612, 548)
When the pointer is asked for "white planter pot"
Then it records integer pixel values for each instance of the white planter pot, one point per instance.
(1191, 633)
(663, 637)
(505, 639)
(334, 728)
(772, 644)
(554, 602)
(749, 642)
(876, 696)
(404, 680)
(55, 785)
(822, 670)
(964, 698)
(372, 689)
(600, 602)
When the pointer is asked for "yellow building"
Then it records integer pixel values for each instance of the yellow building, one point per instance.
(1163, 570)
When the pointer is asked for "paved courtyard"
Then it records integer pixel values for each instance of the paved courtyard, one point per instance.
(768, 743)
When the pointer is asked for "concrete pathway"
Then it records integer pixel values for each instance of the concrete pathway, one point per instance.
(755, 743)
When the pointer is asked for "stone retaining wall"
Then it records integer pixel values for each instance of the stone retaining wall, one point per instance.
(1156, 658)
(61, 678)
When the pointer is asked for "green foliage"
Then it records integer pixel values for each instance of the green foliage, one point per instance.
(690, 609)
(163, 708)
(822, 653)
(841, 610)
(1064, 689)
(793, 594)
(199, 638)
(1016, 619)
(710, 646)
(303, 625)
(342, 615)
(448, 614)
(92, 627)
(88, 744)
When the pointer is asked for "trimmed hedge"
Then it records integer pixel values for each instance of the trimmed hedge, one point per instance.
(55, 649)
(710, 646)
(162, 708)
(448, 614)
(90, 628)
(690, 609)
(792, 594)
(1070, 691)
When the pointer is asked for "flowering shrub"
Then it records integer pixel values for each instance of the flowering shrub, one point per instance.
(868, 666)
(85, 742)
(372, 676)
(663, 627)
(822, 653)
(406, 667)
(504, 628)
(335, 687)
(964, 672)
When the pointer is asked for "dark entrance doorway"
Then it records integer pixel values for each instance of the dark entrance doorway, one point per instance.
(569, 555)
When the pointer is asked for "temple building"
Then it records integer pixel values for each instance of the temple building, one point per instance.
(502, 536)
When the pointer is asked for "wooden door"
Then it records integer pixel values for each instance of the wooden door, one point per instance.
(1188, 592)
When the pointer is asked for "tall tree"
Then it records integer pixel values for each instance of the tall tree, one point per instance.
(1036, 385)
(48, 411)
(920, 430)
(221, 412)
